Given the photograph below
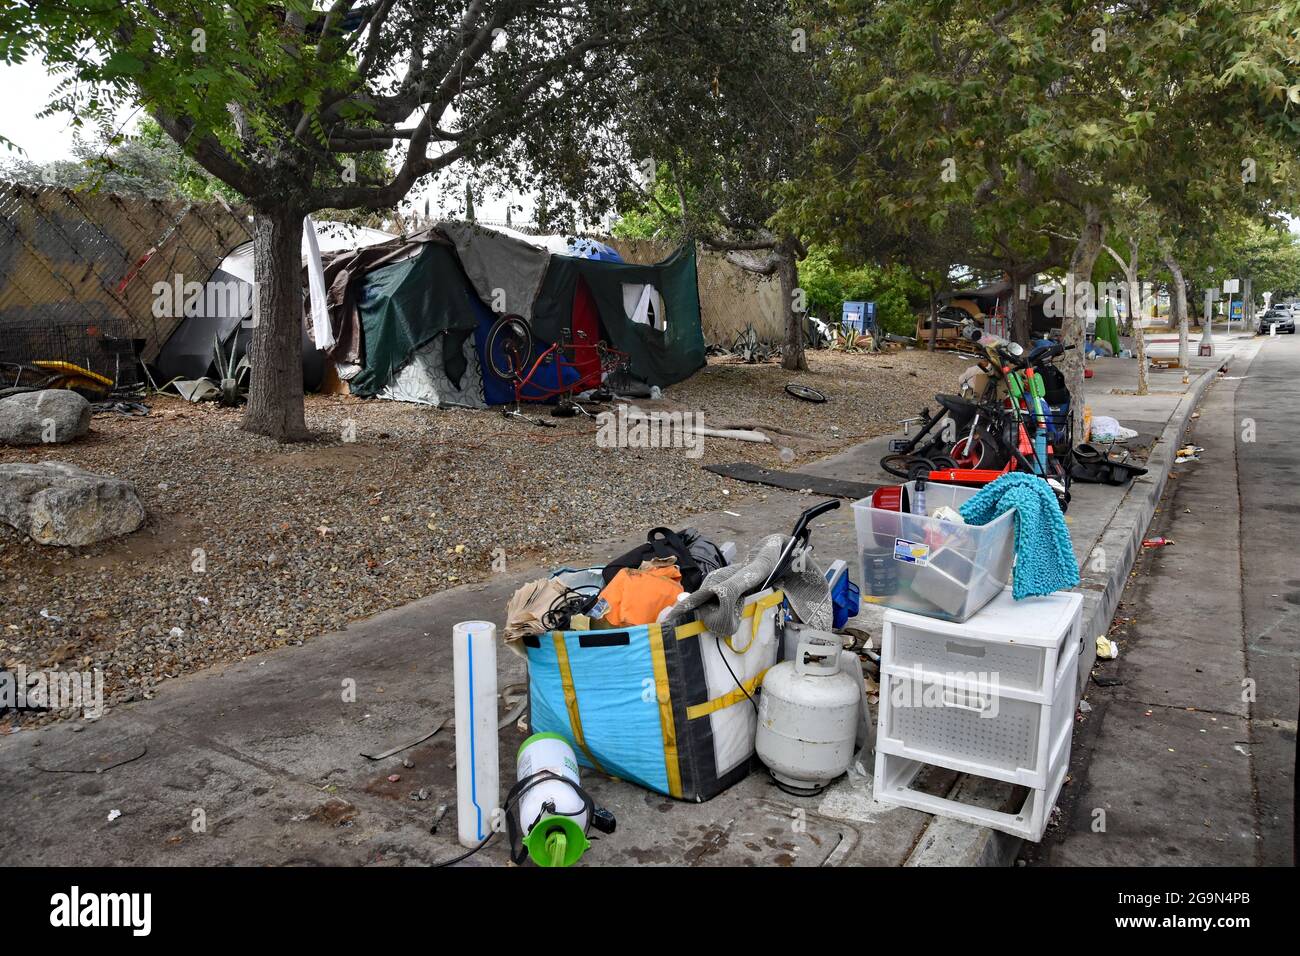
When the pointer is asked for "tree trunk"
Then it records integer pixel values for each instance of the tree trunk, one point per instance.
(1133, 308)
(792, 357)
(1079, 298)
(1018, 329)
(275, 403)
(934, 317)
(1247, 303)
(1139, 338)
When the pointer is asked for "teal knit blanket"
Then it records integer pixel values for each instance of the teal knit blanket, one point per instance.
(1044, 555)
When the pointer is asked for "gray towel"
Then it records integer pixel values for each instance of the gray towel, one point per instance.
(720, 598)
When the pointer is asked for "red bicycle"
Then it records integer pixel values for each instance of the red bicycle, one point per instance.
(559, 371)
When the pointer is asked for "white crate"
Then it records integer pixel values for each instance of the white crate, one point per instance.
(993, 697)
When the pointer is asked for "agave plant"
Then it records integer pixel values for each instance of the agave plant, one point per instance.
(846, 340)
(750, 348)
(231, 375)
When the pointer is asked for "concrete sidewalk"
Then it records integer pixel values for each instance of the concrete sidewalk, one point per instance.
(265, 754)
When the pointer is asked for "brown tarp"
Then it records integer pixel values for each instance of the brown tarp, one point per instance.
(342, 269)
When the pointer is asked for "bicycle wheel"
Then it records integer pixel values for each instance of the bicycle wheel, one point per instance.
(805, 392)
(510, 347)
(898, 464)
(920, 468)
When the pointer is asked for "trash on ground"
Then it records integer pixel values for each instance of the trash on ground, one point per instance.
(398, 748)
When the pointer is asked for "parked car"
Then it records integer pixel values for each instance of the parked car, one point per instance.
(1284, 320)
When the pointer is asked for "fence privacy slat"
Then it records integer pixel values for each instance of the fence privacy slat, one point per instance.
(76, 260)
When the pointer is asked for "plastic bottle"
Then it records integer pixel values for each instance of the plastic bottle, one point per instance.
(918, 498)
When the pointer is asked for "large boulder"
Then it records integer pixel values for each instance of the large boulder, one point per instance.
(60, 504)
(52, 415)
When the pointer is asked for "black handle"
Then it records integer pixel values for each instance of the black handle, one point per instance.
(801, 526)
(799, 536)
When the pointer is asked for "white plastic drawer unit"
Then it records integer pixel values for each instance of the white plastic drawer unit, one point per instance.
(971, 729)
(1019, 646)
(993, 696)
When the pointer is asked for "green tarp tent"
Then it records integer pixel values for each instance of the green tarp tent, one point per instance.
(1108, 330)
(404, 306)
(666, 350)
(423, 319)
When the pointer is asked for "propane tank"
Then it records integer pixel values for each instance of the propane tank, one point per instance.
(808, 717)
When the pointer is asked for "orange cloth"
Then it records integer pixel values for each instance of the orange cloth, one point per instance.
(637, 597)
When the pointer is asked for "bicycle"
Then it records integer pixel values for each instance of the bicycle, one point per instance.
(1009, 427)
(510, 348)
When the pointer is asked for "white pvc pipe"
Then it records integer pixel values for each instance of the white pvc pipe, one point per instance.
(478, 771)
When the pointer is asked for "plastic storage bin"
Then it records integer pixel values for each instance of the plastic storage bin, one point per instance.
(994, 697)
(927, 566)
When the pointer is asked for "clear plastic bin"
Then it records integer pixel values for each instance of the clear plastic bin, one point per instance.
(927, 566)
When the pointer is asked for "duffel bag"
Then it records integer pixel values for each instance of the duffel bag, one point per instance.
(696, 555)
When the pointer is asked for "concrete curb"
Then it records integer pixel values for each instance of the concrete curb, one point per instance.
(949, 842)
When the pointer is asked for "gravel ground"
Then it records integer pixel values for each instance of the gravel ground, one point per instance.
(867, 395)
(251, 545)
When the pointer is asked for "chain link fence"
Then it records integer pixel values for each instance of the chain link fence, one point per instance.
(77, 268)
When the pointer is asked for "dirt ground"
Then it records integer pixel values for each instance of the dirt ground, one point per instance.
(251, 545)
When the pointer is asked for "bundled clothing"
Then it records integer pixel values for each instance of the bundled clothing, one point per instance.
(637, 595)
(719, 600)
(1044, 553)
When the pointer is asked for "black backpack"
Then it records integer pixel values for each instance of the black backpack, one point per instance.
(696, 555)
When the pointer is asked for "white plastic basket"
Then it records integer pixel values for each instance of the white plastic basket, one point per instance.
(936, 568)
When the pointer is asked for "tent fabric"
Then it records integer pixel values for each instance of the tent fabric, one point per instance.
(187, 353)
(1108, 329)
(560, 245)
(403, 306)
(659, 357)
(331, 237)
(321, 332)
(424, 380)
(585, 248)
(506, 272)
(586, 328)
(344, 278)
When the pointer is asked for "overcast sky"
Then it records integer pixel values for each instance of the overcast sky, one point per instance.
(50, 138)
(29, 89)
